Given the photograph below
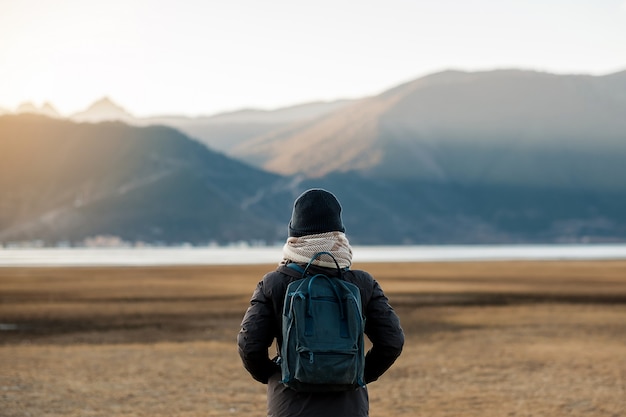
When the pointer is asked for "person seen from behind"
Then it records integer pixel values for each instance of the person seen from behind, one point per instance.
(316, 226)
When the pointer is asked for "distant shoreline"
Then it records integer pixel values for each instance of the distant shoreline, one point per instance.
(189, 256)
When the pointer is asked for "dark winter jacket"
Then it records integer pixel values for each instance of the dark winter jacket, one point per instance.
(262, 324)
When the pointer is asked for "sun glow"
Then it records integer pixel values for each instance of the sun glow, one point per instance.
(194, 57)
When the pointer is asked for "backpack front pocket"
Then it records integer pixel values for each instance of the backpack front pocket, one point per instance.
(327, 367)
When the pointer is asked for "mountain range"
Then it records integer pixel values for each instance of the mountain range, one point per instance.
(65, 181)
(454, 157)
(221, 131)
(468, 128)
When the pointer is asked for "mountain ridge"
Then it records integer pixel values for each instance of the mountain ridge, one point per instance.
(506, 156)
(221, 131)
(63, 181)
(434, 127)
(66, 181)
(101, 110)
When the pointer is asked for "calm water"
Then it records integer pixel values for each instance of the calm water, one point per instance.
(269, 255)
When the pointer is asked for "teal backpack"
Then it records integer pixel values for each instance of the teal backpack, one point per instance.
(323, 324)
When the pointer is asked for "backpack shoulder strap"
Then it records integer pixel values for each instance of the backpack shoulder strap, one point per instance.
(295, 267)
(324, 253)
(303, 271)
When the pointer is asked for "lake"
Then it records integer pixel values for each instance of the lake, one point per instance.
(273, 254)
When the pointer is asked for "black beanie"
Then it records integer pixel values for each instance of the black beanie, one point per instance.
(315, 211)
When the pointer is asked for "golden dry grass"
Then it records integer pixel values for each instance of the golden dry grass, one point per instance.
(483, 339)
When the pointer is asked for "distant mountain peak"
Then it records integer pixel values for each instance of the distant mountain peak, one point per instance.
(49, 110)
(104, 102)
(102, 110)
(46, 109)
(27, 107)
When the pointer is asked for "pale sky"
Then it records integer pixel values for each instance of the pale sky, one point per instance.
(203, 57)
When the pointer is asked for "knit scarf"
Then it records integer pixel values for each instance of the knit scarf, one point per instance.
(301, 249)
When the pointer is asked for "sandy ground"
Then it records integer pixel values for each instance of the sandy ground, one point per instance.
(483, 339)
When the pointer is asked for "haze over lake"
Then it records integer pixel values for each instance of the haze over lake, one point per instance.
(273, 254)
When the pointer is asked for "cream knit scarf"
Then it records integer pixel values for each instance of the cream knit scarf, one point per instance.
(302, 249)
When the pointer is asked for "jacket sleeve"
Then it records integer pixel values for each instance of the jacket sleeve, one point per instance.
(382, 327)
(256, 336)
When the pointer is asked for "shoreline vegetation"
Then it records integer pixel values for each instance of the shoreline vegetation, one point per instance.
(506, 338)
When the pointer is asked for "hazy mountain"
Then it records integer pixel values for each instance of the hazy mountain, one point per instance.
(425, 212)
(65, 181)
(46, 109)
(455, 157)
(289, 114)
(49, 110)
(103, 110)
(222, 131)
(225, 131)
(27, 107)
(505, 127)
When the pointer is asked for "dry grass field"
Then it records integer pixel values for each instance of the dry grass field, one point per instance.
(483, 339)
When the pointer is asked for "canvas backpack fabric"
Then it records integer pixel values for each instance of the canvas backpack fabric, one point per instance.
(323, 324)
